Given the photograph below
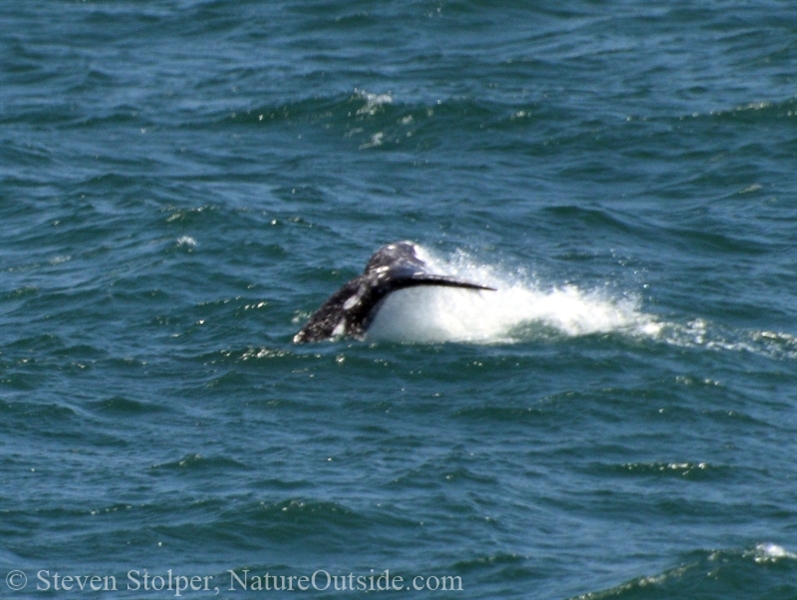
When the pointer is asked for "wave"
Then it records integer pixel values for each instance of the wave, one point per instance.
(766, 570)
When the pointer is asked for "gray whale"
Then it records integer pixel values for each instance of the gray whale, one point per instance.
(352, 309)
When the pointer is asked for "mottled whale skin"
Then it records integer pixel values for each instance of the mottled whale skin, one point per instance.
(352, 309)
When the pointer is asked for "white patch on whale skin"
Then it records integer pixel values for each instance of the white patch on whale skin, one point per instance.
(340, 328)
(353, 301)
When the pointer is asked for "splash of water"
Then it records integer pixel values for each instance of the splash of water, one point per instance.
(524, 309)
(520, 309)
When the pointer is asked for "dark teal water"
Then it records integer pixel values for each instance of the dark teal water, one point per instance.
(182, 183)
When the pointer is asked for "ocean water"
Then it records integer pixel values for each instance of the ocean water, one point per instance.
(183, 182)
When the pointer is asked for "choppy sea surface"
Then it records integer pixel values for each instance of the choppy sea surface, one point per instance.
(183, 182)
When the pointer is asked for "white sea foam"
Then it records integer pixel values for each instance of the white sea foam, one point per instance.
(519, 309)
(186, 240)
(525, 308)
(373, 102)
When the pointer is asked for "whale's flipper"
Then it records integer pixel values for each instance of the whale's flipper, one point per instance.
(350, 310)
